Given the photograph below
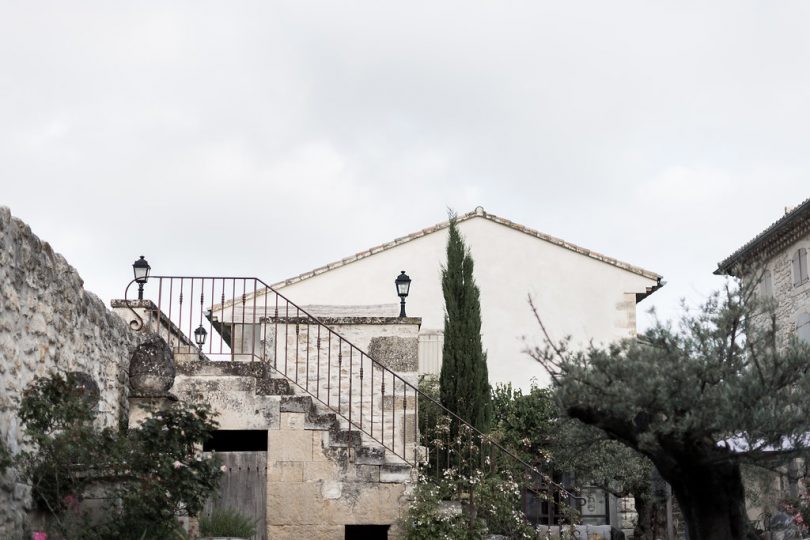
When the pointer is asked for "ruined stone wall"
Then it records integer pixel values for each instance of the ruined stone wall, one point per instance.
(49, 323)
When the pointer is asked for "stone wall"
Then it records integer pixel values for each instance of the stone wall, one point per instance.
(791, 301)
(49, 323)
(321, 476)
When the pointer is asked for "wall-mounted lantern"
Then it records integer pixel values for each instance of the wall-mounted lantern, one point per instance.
(199, 336)
(141, 270)
(403, 283)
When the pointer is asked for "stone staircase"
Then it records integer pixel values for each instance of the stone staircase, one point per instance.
(248, 395)
(321, 475)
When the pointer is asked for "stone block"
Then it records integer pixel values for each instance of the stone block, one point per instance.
(298, 532)
(290, 446)
(344, 438)
(292, 421)
(396, 353)
(321, 421)
(331, 489)
(296, 503)
(399, 403)
(370, 455)
(369, 503)
(273, 387)
(296, 404)
(319, 470)
(367, 473)
(285, 471)
(395, 473)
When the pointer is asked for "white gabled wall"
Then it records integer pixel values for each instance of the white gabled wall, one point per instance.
(578, 295)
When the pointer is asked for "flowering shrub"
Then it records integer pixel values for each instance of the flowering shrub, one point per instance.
(459, 496)
(148, 475)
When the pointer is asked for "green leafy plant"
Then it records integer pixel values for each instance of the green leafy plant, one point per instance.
(227, 522)
(459, 496)
(148, 475)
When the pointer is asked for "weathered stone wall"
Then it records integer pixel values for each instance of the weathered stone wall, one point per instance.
(791, 301)
(49, 323)
(316, 487)
(320, 475)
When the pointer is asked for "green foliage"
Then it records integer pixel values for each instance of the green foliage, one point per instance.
(227, 522)
(697, 400)
(461, 494)
(533, 426)
(528, 424)
(466, 503)
(148, 476)
(463, 380)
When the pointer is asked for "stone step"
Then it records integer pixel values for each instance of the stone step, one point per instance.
(201, 368)
(395, 473)
(359, 448)
(273, 387)
(207, 384)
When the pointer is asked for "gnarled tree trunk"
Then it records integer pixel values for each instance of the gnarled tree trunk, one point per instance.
(712, 498)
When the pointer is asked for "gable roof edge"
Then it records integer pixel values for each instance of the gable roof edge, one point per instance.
(776, 233)
(478, 212)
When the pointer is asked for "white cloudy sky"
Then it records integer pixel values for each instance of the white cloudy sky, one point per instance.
(266, 138)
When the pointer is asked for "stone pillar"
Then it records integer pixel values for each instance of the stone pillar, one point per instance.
(151, 375)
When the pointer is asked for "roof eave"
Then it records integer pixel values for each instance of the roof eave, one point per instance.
(732, 264)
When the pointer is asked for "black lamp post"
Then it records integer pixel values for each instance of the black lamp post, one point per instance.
(403, 283)
(199, 336)
(141, 269)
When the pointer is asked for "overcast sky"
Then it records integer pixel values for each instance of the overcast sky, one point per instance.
(267, 138)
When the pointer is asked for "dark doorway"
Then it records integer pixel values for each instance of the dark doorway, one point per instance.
(237, 440)
(367, 532)
(243, 485)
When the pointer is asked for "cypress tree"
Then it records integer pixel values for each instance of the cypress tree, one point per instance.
(463, 382)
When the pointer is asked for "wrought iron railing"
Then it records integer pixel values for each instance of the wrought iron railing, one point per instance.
(245, 319)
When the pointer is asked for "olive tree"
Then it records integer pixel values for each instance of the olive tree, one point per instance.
(699, 399)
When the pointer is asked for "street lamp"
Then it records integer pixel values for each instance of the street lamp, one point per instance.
(141, 270)
(199, 336)
(403, 283)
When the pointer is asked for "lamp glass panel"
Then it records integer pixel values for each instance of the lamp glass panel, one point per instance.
(199, 335)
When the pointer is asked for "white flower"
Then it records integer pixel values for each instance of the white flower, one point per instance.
(178, 465)
(223, 468)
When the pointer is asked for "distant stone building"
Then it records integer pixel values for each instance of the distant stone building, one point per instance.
(778, 257)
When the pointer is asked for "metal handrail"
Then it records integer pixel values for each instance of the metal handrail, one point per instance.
(418, 395)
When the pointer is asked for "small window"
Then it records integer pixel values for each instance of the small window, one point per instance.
(799, 267)
(766, 286)
(803, 327)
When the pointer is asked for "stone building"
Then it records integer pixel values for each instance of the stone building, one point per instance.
(778, 257)
(308, 454)
(580, 293)
(298, 465)
(316, 399)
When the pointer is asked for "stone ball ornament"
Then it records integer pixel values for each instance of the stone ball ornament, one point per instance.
(151, 368)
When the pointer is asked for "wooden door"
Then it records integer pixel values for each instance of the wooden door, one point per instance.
(243, 487)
